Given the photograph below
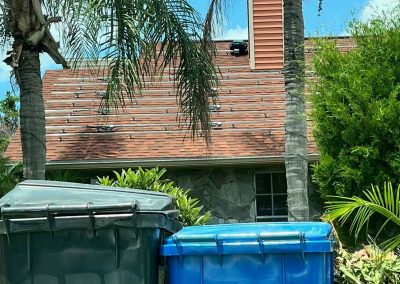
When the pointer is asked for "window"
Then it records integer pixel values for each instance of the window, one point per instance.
(271, 197)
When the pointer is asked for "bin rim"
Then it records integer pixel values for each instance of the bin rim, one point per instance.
(250, 238)
(34, 206)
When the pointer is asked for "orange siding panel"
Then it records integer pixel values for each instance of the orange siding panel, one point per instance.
(266, 34)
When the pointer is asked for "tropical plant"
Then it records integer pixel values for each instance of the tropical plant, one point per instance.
(10, 175)
(296, 161)
(66, 175)
(190, 213)
(9, 119)
(134, 39)
(359, 211)
(355, 108)
(369, 265)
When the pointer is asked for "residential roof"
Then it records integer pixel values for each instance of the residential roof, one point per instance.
(248, 120)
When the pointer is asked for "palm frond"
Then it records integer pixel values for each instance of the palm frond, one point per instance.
(386, 204)
(139, 39)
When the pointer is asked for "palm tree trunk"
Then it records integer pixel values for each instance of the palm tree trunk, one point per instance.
(295, 122)
(32, 116)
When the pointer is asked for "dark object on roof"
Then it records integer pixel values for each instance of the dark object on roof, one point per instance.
(102, 128)
(238, 48)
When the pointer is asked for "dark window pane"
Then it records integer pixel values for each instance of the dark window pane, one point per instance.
(263, 183)
(279, 183)
(280, 205)
(279, 220)
(266, 219)
(264, 205)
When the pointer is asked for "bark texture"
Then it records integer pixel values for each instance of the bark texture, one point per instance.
(32, 116)
(296, 160)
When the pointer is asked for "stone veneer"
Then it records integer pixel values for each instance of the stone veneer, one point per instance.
(229, 193)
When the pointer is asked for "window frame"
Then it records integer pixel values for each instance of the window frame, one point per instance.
(266, 217)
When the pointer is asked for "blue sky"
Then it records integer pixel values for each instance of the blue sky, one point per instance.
(332, 21)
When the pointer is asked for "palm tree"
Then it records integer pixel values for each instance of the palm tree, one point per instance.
(296, 160)
(359, 211)
(134, 38)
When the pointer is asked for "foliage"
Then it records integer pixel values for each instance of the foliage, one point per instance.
(9, 111)
(369, 265)
(190, 213)
(137, 40)
(359, 212)
(9, 115)
(10, 175)
(65, 175)
(356, 109)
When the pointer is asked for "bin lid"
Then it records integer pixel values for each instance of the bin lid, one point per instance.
(250, 238)
(33, 192)
(54, 201)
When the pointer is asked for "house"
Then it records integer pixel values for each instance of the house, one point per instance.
(239, 177)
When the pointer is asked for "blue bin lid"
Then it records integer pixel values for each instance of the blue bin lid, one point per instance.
(250, 238)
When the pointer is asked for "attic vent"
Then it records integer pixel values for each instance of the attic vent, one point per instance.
(215, 108)
(102, 128)
(238, 48)
(216, 125)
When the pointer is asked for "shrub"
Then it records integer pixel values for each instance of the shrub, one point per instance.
(10, 175)
(356, 109)
(359, 212)
(190, 213)
(369, 265)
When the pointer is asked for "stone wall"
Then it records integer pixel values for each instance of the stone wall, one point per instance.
(228, 193)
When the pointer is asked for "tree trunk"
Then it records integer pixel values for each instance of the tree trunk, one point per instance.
(296, 160)
(32, 115)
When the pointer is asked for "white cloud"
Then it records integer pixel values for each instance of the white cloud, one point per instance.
(234, 33)
(376, 7)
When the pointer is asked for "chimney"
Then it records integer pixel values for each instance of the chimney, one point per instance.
(266, 34)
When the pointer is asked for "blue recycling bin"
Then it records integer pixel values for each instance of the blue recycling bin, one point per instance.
(290, 253)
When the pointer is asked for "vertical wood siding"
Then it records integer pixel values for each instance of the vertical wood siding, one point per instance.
(266, 34)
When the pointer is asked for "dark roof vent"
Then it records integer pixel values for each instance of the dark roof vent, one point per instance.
(238, 48)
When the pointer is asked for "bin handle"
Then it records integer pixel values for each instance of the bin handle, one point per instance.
(5, 222)
(261, 238)
(268, 236)
(51, 208)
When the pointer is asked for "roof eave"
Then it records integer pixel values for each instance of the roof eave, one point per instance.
(173, 162)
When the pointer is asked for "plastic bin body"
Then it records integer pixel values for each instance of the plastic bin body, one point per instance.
(290, 253)
(62, 233)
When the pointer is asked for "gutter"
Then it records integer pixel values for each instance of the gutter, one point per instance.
(170, 162)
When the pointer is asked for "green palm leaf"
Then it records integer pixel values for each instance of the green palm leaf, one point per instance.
(138, 40)
(358, 211)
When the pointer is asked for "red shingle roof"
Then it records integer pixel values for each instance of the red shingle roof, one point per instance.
(251, 117)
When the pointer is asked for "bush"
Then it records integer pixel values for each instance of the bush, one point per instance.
(10, 175)
(190, 213)
(356, 109)
(359, 212)
(369, 265)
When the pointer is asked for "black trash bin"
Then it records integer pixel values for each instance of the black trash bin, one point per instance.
(57, 232)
